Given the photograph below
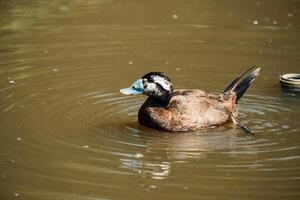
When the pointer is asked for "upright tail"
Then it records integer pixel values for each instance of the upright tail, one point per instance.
(240, 88)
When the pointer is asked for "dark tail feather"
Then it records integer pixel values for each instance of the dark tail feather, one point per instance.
(234, 82)
(241, 88)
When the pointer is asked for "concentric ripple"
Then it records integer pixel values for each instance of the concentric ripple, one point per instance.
(67, 133)
(93, 134)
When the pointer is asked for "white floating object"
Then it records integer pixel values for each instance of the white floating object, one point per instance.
(290, 81)
(255, 22)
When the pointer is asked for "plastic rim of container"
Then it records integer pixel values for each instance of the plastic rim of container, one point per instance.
(290, 80)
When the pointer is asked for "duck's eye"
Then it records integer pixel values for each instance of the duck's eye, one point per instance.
(133, 87)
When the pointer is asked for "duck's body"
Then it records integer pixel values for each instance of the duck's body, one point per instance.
(186, 109)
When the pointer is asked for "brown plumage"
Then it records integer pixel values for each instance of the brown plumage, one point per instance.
(188, 109)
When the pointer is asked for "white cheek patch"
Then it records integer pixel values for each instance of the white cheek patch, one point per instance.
(163, 82)
(151, 87)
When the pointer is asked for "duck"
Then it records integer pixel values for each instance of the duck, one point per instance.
(182, 110)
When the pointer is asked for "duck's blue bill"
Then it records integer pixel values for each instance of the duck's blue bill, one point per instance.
(136, 88)
(128, 91)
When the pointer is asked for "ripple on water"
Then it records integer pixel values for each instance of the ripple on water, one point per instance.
(94, 133)
(67, 133)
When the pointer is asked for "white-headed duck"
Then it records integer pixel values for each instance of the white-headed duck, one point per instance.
(187, 109)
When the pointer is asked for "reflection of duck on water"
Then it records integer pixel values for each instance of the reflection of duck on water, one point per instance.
(163, 151)
(187, 109)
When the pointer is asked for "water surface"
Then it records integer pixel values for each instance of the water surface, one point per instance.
(67, 133)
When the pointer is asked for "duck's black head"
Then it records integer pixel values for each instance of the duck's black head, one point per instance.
(154, 84)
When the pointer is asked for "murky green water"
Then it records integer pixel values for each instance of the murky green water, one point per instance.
(67, 133)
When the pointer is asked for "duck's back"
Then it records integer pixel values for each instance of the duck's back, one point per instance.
(187, 110)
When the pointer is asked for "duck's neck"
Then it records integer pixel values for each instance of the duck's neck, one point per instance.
(163, 102)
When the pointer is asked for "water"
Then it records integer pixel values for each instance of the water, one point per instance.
(67, 132)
